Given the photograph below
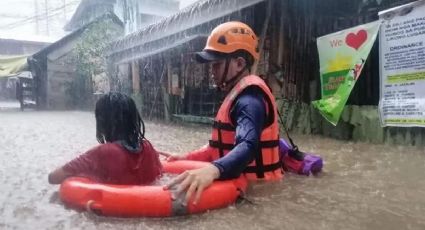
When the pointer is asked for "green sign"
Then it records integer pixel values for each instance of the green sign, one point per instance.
(342, 56)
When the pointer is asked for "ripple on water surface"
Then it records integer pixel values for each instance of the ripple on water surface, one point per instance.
(364, 186)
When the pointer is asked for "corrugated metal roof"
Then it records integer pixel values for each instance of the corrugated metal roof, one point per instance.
(74, 34)
(126, 57)
(197, 14)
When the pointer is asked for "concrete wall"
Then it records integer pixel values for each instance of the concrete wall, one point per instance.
(357, 123)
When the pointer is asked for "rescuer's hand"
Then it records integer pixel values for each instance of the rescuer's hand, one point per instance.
(194, 182)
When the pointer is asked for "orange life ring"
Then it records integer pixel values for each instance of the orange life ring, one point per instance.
(147, 201)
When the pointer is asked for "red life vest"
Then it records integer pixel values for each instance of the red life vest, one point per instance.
(267, 164)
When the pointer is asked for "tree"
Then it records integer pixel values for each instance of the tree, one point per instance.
(91, 58)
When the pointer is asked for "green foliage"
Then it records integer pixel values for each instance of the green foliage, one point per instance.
(90, 50)
(91, 59)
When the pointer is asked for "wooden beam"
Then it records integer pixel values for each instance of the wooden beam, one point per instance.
(281, 39)
(135, 76)
(263, 35)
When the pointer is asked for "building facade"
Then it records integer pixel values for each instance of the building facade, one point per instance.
(160, 57)
(135, 14)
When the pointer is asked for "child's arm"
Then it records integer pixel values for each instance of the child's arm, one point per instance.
(84, 165)
(58, 176)
(202, 154)
(164, 154)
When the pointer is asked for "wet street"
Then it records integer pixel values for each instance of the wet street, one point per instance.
(363, 186)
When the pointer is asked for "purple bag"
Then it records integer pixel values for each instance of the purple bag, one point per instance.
(311, 164)
(283, 147)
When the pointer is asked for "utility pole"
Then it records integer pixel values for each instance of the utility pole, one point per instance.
(64, 10)
(37, 26)
(47, 17)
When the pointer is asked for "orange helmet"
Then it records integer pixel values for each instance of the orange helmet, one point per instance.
(227, 38)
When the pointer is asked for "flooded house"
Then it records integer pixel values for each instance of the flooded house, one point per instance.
(67, 74)
(59, 72)
(159, 59)
(158, 62)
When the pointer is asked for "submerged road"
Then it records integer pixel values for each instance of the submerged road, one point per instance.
(363, 186)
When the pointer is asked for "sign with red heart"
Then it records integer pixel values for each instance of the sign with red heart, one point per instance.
(342, 56)
(355, 40)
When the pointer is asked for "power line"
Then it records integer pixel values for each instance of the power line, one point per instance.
(31, 19)
(40, 16)
(12, 16)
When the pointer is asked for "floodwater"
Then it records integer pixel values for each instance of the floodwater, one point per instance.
(363, 186)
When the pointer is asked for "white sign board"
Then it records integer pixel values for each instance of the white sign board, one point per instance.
(402, 65)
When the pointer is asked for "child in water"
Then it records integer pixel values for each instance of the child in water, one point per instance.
(124, 156)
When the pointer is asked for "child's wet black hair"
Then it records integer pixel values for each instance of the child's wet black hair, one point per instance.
(117, 119)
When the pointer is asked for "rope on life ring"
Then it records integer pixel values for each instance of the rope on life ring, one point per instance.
(89, 205)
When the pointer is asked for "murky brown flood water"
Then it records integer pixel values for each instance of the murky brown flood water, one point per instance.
(363, 186)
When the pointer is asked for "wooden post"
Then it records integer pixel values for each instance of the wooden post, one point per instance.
(167, 93)
(263, 35)
(281, 38)
(135, 77)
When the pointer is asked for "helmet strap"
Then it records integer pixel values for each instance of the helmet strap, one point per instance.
(226, 71)
(223, 82)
